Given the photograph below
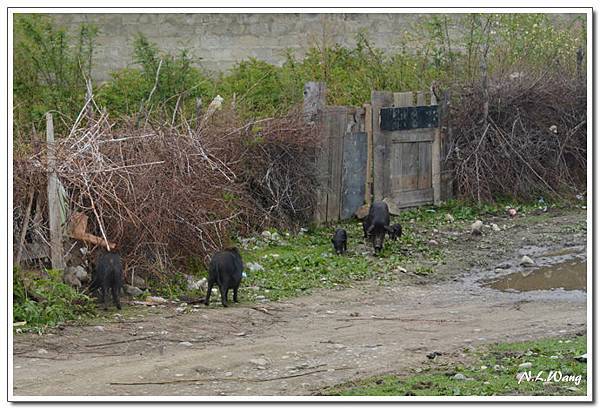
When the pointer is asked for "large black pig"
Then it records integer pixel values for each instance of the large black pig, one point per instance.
(377, 224)
(225, 270)
(108, 273)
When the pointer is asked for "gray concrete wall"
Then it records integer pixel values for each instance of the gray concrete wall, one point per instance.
(221, 40)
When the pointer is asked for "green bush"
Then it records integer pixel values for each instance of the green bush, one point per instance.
(258, 88)
(56, 302)
(177, 85)
(50, 72)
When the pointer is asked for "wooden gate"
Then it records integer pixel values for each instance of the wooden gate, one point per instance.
(387, 150)
(406, 148)
(342, 163)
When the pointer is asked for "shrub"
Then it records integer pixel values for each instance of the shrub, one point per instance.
(156, 91)
(47, 301)
(50, 71)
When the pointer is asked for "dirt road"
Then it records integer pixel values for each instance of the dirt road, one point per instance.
(299, 346)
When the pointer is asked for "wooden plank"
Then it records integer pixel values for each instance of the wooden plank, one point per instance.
(413, 198)
(410, 166)
(54, 213)
(421, 98)
(337, 121)
(404, 99)
(435, 167)
(25, 226)
(353, 173)
(415, 135)
(314, 101)
(315, 95)
(407, 177)
(369, 170)
(436, 159)
(379, 99)
(433, 98)
(424, 165)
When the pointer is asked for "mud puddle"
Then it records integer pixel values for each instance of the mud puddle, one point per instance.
(566, 275)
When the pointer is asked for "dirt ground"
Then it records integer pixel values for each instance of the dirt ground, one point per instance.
(301, 345)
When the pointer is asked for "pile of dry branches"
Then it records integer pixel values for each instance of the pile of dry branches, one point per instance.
(531, 143)
(170, 194)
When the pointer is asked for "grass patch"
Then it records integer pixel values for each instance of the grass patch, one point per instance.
(295, 264)
(42, 302)
(492, 370)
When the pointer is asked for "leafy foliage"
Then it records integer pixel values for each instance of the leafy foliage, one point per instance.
(50, 71)
(448, 51)
(52, 302)
(164, 83)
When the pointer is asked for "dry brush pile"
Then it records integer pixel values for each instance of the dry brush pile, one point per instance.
(532, 142)
(171, 194)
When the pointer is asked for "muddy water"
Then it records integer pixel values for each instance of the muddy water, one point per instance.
(568, 275)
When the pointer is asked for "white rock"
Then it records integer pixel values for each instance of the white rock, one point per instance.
(131, 290)
(99, 328)
(393, 208)
(433, 242)
(554, 357)
(80, 273)
(459, 377)
(254, 267)
(527, 261)
(495, 227)
(449, 218)
(153, 298)
(476, 227)
(138, 282)
(194, 284)
(185, 344)
(266, 234)
(525, 365)
(260, 362)
(71, 279)
(401, 270)
(42, 351)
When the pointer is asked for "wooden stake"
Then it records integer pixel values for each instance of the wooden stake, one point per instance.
(54, 214)
(25, 226)
(369, 131)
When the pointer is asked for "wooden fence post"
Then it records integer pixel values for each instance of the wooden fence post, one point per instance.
(436, 160)
(314, 103)
(379, 99)
(369, 131)
(54, 212)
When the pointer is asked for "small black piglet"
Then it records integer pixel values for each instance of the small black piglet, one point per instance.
(395, 231)
(340, 240)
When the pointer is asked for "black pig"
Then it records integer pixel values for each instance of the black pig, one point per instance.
(339, 240)
(108, 273)
(395, 231)
(377, 224)
(225, 270)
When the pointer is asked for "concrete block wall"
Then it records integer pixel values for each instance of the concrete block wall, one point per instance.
(221, 40)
